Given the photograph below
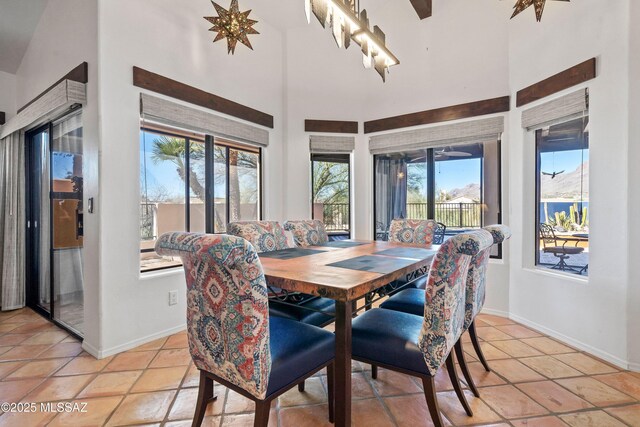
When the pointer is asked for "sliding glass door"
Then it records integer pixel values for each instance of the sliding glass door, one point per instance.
(55, 284)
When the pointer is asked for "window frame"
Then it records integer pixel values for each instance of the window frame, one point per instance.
(209, 141)
(333, 158)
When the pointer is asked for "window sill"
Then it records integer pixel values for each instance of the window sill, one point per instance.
(558, 275)
(155, 274)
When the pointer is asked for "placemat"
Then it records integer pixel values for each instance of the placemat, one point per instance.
(376, 264)
(341, 244)
(414, 253)
(290, 253)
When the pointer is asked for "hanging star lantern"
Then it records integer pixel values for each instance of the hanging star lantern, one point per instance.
(537, 4)
(233, 25)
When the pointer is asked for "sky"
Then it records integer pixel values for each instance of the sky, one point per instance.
(455, 174)
(567, 161)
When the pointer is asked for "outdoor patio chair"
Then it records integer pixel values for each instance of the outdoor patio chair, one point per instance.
(438, 233)
(232, 338)
(561, 251)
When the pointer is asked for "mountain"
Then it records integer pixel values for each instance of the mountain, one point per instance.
(567, 185)
(469, 191)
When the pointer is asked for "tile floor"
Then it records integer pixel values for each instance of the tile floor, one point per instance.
(536, 381)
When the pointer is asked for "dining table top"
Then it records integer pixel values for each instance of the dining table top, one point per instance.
(343, 271)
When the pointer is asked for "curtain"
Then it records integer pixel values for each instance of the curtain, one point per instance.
(12, 220)
(391, 191)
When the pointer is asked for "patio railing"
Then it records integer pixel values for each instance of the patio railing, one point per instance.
(462, 215)
(336, 216)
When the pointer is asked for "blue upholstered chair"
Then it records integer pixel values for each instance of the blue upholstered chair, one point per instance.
(420, 345)
(412, 300)
(232, 338)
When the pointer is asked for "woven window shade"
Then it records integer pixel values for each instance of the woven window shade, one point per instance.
(565, 108)
(438, 136)
(56, 100)
(331, 144)
(177, 115)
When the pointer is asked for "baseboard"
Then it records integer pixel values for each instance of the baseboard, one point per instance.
(635, 367)
(101, 354)
(493, 312)
(623, 364)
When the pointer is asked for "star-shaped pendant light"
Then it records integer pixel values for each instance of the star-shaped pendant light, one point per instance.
(537, 4)
(233, 25)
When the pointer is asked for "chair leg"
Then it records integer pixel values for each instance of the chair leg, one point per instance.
(301, 387)
(453, 376)
(205, 395)
(261, 418)
(429, 386)
(330, 390)
(465, 369)
(476, 345)
(374, 372)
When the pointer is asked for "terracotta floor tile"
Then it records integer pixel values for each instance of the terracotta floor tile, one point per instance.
(213, 421)
(151, 345)
(411, 411)
(30, 328)
(629, 414)
(142, 408)
(550, 421)
(8, 327)
(23, 352)
(130, 361)
(370, 413)
(38, 369)
(510, 402)
(14, 391)
(177, 341)
(626, 382)
(7, 367)
(192, 379)
(174, 357)
(237, 403)
(550, 367)
(591, 419)
(585, 364)
(110, 384)
(246, 420)
(84, 365)
(313, 394)
(3, 350)
(518, 331)
(482, 414)
(97, 412)
(360, 386)
(595, 391)
(492, 334)
(554, 397)
(62, 349)
(494, 320)
(547, 345)
(390, 383)
(13, 339)
(160, 379)
(443, 383)
(514, 371)
(184, 406)
(516, 348)
(310, 416)
(46, 338)
(483, 378)
(20, 419)
(59, 388)
(490, 351)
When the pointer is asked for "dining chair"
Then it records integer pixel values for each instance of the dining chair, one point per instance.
(232, 338)
(265, 236)
(412, 300)
(310, 232)
(413, 231)
(420, 345)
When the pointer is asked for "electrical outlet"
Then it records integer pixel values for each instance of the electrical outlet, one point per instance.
(173, 297)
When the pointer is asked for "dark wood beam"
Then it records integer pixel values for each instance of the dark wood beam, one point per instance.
(330, 126)
(79, 74)
(454, 112)
(163, 85)
(559, 82)
(2, 118)
(423, 8)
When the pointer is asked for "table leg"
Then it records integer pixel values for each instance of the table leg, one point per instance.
(344, 311)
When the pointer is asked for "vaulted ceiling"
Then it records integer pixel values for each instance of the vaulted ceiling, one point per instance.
(18, 21)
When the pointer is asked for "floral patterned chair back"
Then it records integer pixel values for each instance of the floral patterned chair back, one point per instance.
(227, 307)
(265, 236)
(412, 231)
(444, 310)
(308, 232)
(476, 279)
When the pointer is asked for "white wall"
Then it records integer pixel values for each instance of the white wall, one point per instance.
(65, 37)
(8, 94)
(590, 313)
(174, 42)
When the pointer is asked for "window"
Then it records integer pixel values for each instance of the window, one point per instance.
(175, 171)
(458, 186)
(331, 192)
(562, 177)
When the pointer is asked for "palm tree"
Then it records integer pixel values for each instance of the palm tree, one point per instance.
(173, 149)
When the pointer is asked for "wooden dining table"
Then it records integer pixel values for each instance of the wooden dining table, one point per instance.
(344, 272)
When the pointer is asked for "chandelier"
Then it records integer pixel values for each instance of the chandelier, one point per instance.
(538, 5)
(347, 23)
